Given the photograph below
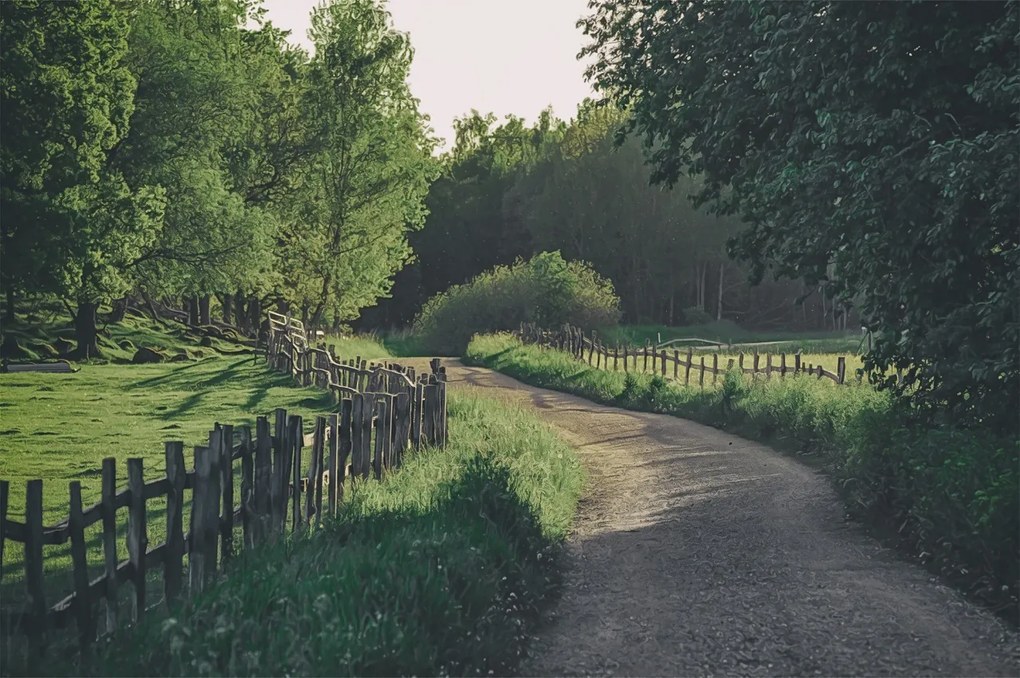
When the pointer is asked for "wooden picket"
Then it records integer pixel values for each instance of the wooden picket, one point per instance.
(382, 411)
(655, 360)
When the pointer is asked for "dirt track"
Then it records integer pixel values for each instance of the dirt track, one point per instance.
(696, 552)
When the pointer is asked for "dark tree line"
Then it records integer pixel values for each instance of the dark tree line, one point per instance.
(508, 190)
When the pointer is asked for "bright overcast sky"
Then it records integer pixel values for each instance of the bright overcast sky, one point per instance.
(498, 56)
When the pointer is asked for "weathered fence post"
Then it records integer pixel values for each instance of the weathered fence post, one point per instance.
(137, 536)
(382, 436)
(247, 487)
(82, 596)
(110, 540)
(34, 582)
(715, 368)
(226, 461)
(676, 365)
(346, 445)
(297, 441)
(687, 368)
(332, 463)
(173, 563)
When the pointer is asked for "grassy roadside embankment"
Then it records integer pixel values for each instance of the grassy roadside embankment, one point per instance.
(440, 569)
(946, 495)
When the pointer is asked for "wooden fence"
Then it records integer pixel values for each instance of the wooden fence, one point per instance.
(588, 348)
(246, 488)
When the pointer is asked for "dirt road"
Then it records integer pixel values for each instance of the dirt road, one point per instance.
(696, 552)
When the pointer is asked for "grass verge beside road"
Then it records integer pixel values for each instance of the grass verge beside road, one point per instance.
(946, 495)
(440, 569)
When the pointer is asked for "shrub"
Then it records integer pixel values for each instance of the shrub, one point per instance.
(546, 290)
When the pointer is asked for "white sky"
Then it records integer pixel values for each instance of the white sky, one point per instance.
(499, 56)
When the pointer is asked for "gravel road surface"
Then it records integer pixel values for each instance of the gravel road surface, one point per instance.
(696, 552)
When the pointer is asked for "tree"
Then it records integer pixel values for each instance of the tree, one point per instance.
(191, 116)
(365, 189)
(870, 147)
(71, 225)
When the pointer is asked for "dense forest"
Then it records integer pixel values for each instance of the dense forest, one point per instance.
(508, 190)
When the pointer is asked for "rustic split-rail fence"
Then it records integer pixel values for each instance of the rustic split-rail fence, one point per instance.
(246, 488)
(673, 363)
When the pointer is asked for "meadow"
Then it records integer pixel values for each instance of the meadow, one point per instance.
(440, 569)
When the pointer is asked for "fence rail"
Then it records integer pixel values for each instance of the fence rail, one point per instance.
(588, 348)
(254, 486)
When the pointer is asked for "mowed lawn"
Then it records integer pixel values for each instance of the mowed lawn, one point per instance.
(59, 427)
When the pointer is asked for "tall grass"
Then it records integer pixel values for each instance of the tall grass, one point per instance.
(440, 569)
(947, 495)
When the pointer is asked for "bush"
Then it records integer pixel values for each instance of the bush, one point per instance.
(696, 316)
(546, 290)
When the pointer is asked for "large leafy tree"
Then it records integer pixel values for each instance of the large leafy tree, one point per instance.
(871, 147)
(71, 225)
(191, 115)
(365, 188)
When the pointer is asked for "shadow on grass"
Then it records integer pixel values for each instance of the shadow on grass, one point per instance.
(448, 589)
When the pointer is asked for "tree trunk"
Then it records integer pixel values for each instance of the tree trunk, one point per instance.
(240, 316)
(225, 302)
(701, 286)
(718, 308)
(255, 315)
(192, 311)
(119, 310)
(203, 310)
(85, 332)
(10, 305)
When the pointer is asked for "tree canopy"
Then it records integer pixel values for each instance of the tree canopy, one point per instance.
(182, 150)
(869, 147)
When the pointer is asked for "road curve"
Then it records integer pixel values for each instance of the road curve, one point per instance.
(696, 552)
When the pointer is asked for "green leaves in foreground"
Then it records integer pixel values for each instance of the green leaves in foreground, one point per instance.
(441, 569)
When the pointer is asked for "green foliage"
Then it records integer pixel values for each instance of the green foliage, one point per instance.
(870, 147)
(439, 570)
(365, 189)
(72, 225)
(946, 494)
(248, 169)
(508, 191)
(546, 290)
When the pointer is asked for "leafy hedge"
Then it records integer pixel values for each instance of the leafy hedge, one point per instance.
(948, 495)
(440, 569)
(546, 289)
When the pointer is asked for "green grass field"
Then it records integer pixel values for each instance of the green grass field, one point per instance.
(944, 494)
(60, 427)
(440, 569)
